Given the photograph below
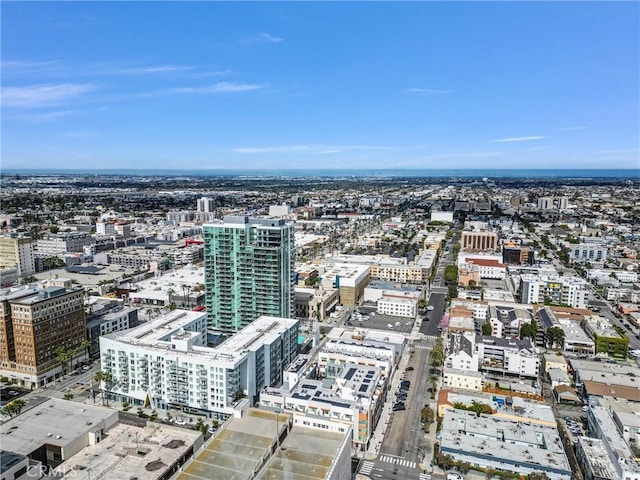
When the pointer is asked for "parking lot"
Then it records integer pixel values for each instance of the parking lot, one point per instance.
(364, 318)
(10, 393)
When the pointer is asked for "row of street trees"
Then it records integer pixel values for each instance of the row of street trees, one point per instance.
(13, 408)
(65, 355)
(436, 361)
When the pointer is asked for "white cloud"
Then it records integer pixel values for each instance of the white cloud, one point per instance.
(44, 117)
(269, 38)
(151, 69)
(430, 91)
(517, 139)
(45, 95)
(220, 87)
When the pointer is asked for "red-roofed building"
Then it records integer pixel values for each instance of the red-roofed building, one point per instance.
(489, 268)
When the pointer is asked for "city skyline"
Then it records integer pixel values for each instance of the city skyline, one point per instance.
(215, 85)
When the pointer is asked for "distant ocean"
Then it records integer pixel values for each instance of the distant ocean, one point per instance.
(350, 173)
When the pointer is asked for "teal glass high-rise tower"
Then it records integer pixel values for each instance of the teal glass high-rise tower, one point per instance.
(249, 270)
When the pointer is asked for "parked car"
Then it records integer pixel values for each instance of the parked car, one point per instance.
(398, 406)
(409, 369)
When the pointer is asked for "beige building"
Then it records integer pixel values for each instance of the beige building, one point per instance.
(479, 241)
(349, 279)
(315, 303)
(17, 252)
(465, 379)
(33, 323)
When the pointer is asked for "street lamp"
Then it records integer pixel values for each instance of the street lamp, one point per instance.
(277, 427)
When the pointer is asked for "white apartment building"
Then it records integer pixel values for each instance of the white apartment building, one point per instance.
(206, 204)
(607, 275)
(166, 362)
(586, 252)
(507, 356)
(354, 402)
(279, 211)
(338, 352)
(461, 353)
(554, 289)
(60, 243)
(397, 306)
(105, 228)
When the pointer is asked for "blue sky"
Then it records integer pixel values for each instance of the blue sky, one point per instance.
(320, 85)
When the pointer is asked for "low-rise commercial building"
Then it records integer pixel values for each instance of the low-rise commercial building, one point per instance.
(489, 442)
(55, 430)
(601, 425)
(607, 339)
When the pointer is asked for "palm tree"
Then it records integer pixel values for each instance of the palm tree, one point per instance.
(85, 344)
(15, 407)
(64, 355)
(433, 381)
(105, 378)
(436, 357)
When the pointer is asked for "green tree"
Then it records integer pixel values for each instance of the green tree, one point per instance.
(451, 274)
(14, 407)
(486, 329)
(529, 330)
(68, 396)
(538, 476)
(555, 336)
(104, 379)
(84, 345)
(427, 415)
(433, 381)
(436, 357)
(64, 356)
(422, 305)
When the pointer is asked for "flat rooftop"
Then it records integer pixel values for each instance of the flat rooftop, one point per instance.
(596, 456)
(109, 272)
(239, 448)
(55, 421)
(532, 412)
(148, 452)
(157, 334)
(524, 443)
(305, 454)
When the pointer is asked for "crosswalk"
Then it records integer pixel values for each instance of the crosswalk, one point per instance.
(424, 476)
(397, 461)
(366, 467)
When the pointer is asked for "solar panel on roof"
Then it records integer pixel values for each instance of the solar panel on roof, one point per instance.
(350, 373)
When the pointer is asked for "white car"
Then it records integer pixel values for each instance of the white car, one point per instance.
(585, 408)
